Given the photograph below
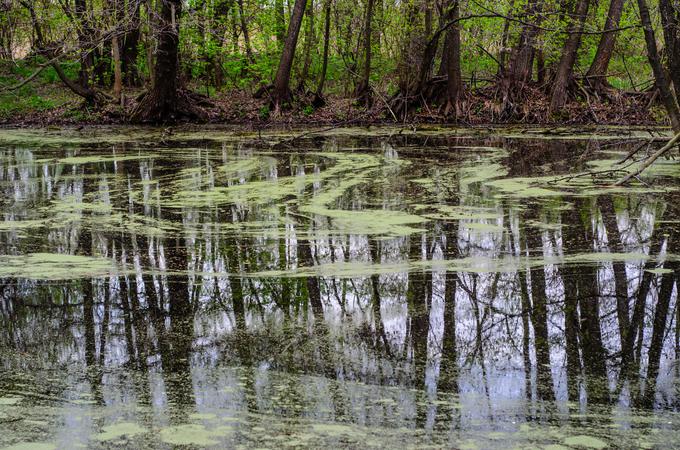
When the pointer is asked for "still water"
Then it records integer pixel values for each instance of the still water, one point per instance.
(350, 288)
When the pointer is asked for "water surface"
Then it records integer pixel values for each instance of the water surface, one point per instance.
(354, 288)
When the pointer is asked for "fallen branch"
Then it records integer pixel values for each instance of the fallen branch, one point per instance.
(27, 80)
(648, 162)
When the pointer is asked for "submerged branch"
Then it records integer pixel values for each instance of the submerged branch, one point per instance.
(648, 162)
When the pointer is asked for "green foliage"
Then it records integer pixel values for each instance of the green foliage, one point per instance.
(264, 112)
(224, 45)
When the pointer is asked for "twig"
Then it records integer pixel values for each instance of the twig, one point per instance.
(649, 161)
(394, 116)
(635, 150)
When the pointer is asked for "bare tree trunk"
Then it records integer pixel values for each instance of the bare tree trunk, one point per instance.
(84, 34)
(318, 98)
(309, 43)
(566, 65)
(117, 72)
(129, 47)
(597, 73)
(454, 83)
(163, 102)
(244, 30)
(363, 89)
(665, 93)
(281, 94)
(115, 54)
(89, 94)
(670, 21)
(522, 56)
(504, 47)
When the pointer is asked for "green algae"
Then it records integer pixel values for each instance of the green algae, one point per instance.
(16, 225)
(659, 271)
(584, 441)
(31, 446)
(54, 266)
(76, 160)
(118, 430)
(193, 434)
(482, 227)
(10, 401)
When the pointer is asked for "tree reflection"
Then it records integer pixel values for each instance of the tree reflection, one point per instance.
(195, 291)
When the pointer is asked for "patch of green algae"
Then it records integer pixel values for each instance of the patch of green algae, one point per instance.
(53, 266)
(118, 430)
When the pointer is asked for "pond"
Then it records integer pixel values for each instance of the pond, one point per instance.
(383, 287)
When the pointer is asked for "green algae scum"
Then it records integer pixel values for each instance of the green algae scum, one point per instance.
(355, 288)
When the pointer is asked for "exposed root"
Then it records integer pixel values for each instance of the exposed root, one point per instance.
(187, 106)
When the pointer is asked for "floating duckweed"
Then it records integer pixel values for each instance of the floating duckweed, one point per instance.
(193, 434)
(10, 225)
(585, 441)
(101, 159)
(119, 430)
(53, 266)
(659, 271)
(32, 446)
(9, 401)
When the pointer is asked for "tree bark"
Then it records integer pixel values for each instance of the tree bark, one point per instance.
(597, 73)
(309, 43)
(244, 30)
(318, 98)
(163, 102)
(566, 65)
(662, 84)
(363, 89)
(115, 54)
(670, 21)
(84, 34)
(523, 54)
(281, 94)
(117, 72)
(454, 82)
(90, 95)
(130, 47)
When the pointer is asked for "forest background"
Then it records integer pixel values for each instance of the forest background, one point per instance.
(340, 61)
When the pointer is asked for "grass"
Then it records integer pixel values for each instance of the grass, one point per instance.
(40, 95)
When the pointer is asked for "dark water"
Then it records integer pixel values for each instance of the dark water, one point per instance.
(382, 288)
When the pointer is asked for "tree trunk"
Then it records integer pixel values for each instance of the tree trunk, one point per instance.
(117, 72)
(454, 82)
(90, 95)
(597, 73)
(244, 30)
(115, 54)
(318, 98)
(522, 56)
(566, 64)
(363, 89)
(670, 21)
(84, 34)
(309, 43)
(164, 103)
(129, 48)
(281, 94)
(665, 93)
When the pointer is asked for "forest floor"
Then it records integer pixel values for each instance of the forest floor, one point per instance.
(51, 104)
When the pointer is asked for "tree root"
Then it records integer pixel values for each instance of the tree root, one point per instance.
(187, 106)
